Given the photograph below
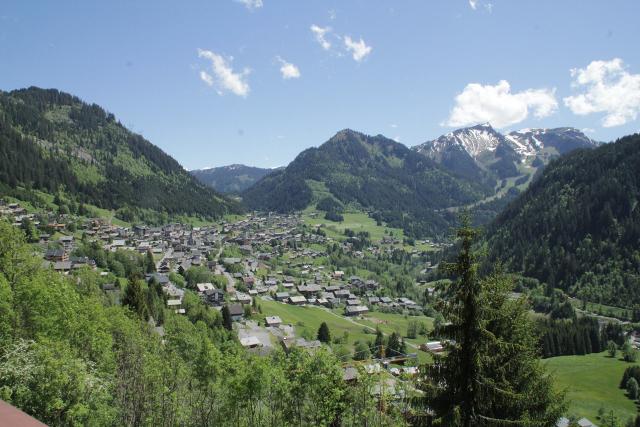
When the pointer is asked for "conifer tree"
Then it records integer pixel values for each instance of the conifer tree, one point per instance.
(323, 333)
(490, 374)
(134, 297)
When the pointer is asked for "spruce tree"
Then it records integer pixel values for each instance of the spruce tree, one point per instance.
(226, 318)
(323, 333)
(490, 373)
(134, 297)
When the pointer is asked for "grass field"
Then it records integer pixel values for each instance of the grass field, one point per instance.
(356, 221)
(592, 382)
(602, 309)
(310, 318)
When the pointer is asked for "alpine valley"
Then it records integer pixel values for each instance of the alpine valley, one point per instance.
(133, 292)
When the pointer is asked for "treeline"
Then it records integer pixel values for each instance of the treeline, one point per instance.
(577, 336)
(577, 227)
(52, 141)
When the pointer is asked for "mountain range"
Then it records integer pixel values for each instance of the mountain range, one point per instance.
(54, 142)
(417, 189)
(230, 179)
(481, 152)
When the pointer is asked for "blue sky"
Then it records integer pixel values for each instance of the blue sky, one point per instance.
(205, 80)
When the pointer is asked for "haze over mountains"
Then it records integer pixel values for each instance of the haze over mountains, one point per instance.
(230, 179)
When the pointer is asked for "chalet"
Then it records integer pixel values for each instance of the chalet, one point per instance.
(243, 298)
(56, 255)
(342, 294)
(236, 311)
(282, 296)
(274, 321)
(433, 347)
(374, 300)
(62, 266)
(288, 343)
(297, 300)
(203, 287)
(176, 305)
(310, 289)
(356, 310)
(250, 342)
(214, 296)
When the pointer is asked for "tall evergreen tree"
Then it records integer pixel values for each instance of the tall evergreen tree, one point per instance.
(323, 333)
(490, 374)
(134, 297)
(150, 262)
(226, 318)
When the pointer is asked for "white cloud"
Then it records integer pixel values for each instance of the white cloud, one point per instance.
(251, 4)
(497, 105)
(588, 130)
(288, 70)
(320, 34)
(393, 125)
(488, 7)
(224, 78)
(396, 138)
(206, 77)
(358, 49)
(608, 88)
(332, 14)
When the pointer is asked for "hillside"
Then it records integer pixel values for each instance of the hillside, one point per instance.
(372, 173)
(577, 227)
(230, 179)
(52, 141)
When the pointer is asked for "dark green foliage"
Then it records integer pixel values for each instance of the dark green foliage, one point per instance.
(329, 204)
(632, 388)
(568, 337)
(134, 298)
(490, 374)
(226, 318)
(630, 372)
(404, 188)
(149, 262)
(395, 345)
(50, 140)
(334, 216)
(577, 227)
(323, 333)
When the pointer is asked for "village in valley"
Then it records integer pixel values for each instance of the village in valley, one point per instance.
(281, 281)
(278, 277)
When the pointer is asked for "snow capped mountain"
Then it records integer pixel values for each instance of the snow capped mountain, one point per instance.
(529, 142)
(473, 140)
(480, 139)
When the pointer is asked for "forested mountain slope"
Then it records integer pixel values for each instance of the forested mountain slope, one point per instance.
(52, 141)
(377, 174)
(578, 226)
